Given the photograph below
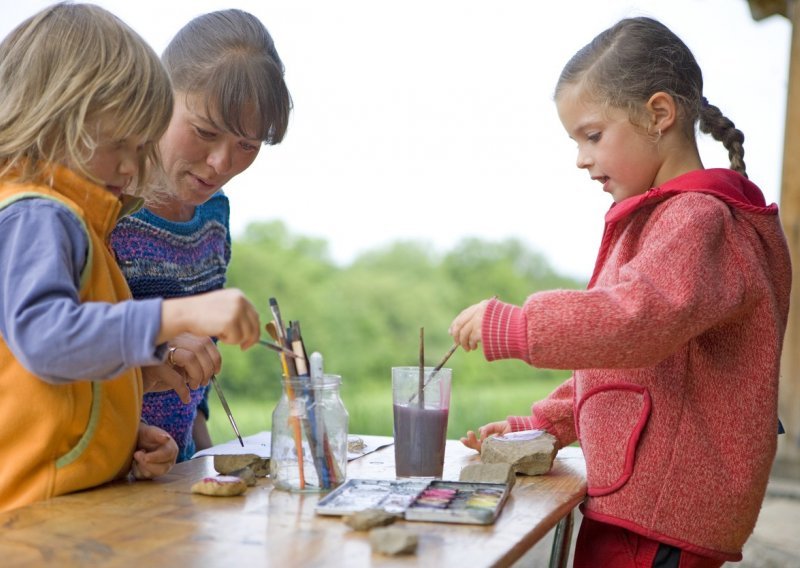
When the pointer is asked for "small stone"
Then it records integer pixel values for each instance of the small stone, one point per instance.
(220, 486)
(355, 445)
(530, 453)
(228, 464)
(261, 467)
(369, 518)
(246, 474)
(393, 541)
(489, 473)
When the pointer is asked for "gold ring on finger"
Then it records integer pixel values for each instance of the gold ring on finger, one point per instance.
(171, 356)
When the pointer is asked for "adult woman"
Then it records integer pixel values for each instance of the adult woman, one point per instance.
(230, 97)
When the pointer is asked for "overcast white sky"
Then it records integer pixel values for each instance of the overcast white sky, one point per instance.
(433, 120)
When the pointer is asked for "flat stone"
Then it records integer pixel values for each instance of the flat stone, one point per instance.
(229, 464)
(393, 541)
(368, 519)
(489, 473)
(220, 486)
(530, 453)
(246, 474)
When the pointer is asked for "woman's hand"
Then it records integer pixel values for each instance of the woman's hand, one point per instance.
(191, 362)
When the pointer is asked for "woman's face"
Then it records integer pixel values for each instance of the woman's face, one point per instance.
(199, 158)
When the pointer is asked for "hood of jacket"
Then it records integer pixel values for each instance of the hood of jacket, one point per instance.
(727, 185)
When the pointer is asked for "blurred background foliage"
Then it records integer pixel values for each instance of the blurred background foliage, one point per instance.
(365, 318)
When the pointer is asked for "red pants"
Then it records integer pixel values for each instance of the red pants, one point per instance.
(601, 545)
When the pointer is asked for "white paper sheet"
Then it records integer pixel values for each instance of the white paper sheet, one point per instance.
(259, 444)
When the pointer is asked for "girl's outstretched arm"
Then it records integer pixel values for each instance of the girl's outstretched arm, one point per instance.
(491, 429)
(466, 328)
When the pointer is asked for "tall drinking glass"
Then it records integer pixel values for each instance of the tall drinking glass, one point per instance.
(421, 403)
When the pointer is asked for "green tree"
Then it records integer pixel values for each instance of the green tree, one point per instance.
(365, 318)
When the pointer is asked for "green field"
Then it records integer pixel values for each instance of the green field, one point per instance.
(472, 405)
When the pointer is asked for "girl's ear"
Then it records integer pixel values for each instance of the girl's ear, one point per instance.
(662, 111)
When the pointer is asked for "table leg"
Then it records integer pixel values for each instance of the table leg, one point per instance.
(562, 540)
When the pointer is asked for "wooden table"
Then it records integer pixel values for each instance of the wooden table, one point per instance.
(160, 523)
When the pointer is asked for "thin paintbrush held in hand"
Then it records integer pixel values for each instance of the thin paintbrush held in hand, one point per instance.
(436, 369)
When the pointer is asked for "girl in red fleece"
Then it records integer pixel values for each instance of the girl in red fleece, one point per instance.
(676, 342)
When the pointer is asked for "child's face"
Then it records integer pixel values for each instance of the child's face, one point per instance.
(615, 152)
(114, 162)
(198, 157)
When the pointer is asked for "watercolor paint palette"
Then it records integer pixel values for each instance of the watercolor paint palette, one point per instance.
(419, 500)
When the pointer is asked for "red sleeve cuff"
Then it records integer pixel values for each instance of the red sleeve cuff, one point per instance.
(522, 423)
(504, 332)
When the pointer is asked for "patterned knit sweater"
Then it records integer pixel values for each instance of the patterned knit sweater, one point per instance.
(675, 347)
(172, 259)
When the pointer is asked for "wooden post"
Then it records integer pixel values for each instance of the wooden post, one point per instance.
(789, 398)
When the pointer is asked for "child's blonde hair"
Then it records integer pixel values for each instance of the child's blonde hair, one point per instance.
(64, 66)
(638, 57)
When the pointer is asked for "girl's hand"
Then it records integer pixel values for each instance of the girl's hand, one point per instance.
(474, 442)
(466, 328)
(226, 314)
(190, 364)
(155, 453)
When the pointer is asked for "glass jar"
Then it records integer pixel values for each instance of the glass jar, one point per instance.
(309, 436)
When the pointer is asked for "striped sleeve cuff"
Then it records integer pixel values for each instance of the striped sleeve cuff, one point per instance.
(522, 423)
(504, 332)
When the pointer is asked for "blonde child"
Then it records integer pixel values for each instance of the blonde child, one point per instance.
(676, 343)
(83, 99)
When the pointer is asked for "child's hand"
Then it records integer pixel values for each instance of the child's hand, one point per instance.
(474, 442)
(226, 314)
(466, 328)
(155, 453)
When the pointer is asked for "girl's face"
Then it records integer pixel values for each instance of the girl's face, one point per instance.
(615, 152)
(115, 161)
(198, 157)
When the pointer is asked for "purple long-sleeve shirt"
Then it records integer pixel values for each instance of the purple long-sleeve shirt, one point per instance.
(43, 248)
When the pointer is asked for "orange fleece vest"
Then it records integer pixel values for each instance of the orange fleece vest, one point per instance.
(55, 439)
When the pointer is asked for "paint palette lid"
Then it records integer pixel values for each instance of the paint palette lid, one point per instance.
(433, 501)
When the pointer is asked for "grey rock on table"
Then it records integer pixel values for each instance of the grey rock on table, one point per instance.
(393, 541)
(489, 473)
(529, 453)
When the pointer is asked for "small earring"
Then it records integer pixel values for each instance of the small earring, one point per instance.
(658, 136)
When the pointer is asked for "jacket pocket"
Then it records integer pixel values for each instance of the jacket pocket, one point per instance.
(610, 420)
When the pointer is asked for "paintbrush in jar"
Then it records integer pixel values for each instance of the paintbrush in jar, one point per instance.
(278, 333)
(277, 348)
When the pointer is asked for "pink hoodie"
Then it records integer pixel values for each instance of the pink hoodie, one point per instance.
(675, 347)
